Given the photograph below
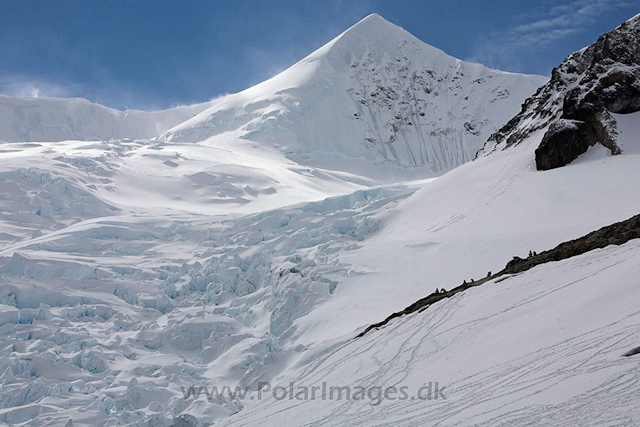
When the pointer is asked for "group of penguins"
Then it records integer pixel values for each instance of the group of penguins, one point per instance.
(444, 291)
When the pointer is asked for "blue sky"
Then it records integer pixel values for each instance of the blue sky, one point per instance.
(156, 54)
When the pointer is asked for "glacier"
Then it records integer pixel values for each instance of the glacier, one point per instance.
(250, 239)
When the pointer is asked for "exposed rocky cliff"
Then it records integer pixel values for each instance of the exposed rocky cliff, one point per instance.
(575, 104)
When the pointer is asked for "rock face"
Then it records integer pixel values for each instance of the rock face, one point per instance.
(567, 139)
(575, 104)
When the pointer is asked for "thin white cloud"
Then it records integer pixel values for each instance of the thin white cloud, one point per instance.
(573, 16)
(25, 86)
(539, 31)
(109, 93)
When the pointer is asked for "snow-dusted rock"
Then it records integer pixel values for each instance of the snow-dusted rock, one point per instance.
(575, 105)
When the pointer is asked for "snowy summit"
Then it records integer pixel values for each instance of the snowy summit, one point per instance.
(329, 231)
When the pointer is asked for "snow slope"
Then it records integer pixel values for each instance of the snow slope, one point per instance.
(131, 269)
(58, 119)
(47, 186)
(544, 347)
(628, 129)
(374, 101)
(179, 299)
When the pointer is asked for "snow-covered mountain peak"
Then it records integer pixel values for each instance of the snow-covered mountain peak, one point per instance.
(374, 101)
(374, 36)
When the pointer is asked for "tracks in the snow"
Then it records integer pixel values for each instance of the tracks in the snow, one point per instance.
(615, 234)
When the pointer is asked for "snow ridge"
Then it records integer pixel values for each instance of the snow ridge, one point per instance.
(58, 119)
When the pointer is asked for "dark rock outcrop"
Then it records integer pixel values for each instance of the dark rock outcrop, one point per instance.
(567, 139)
(575, 104)
(615, 234)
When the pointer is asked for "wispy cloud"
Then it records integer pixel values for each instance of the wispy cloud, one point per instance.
(574, 16)
(536, 32)
(26, 86)
(109, 93)
(94, 81)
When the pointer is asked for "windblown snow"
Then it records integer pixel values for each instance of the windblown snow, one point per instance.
(252, 242)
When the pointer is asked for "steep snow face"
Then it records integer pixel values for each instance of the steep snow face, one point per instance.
(57, 119)
(374, 99)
